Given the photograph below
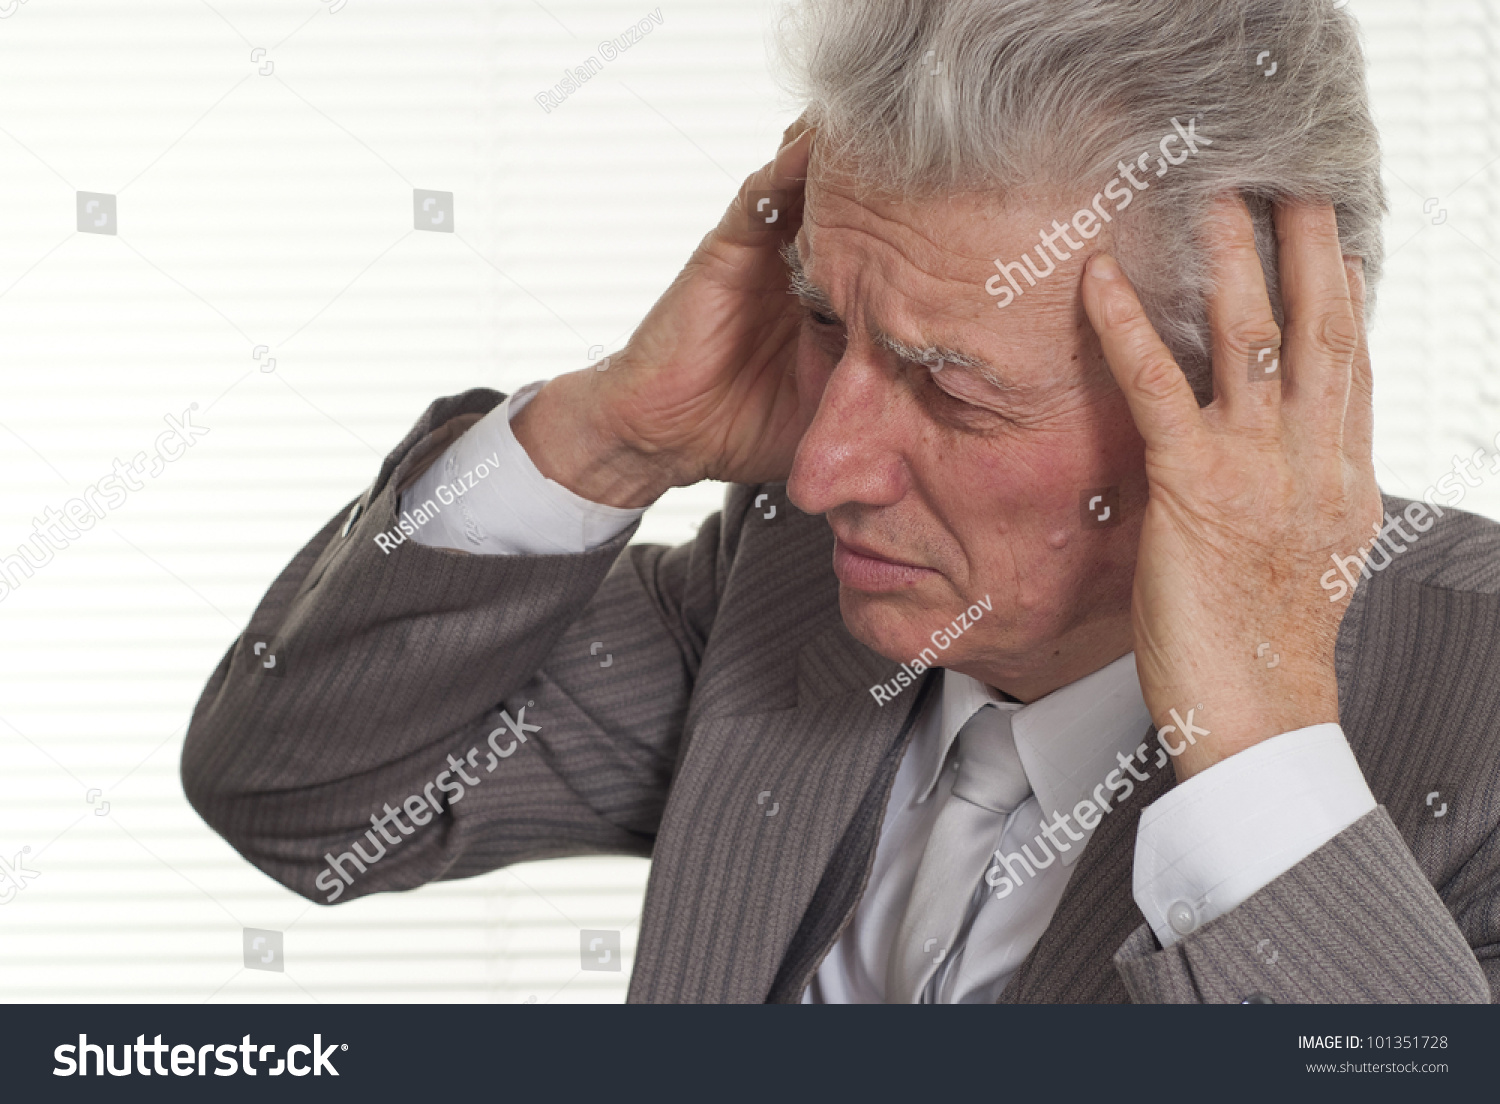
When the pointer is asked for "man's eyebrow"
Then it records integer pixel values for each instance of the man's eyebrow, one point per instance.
(803, 288)
(935, 357)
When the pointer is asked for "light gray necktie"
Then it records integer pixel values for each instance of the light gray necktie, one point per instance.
(991, 783)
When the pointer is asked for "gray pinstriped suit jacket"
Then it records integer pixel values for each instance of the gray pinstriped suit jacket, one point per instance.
(732, 674)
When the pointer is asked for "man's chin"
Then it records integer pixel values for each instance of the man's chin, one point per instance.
(894, 625)
(942, 633)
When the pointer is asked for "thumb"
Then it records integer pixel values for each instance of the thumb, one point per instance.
(768, 207)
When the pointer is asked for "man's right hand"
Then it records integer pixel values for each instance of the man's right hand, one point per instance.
(704, 389)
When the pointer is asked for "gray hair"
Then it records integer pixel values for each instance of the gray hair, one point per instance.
(918, 98)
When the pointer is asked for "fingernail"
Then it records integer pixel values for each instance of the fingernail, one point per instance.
(1103, 267)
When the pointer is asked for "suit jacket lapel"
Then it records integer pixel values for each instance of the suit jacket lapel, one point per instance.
(761, 800)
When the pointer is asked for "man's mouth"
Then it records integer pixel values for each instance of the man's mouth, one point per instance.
(862, 568)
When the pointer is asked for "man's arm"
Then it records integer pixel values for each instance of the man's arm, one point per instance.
(399, 660)
(390, 662)
(1355, 922)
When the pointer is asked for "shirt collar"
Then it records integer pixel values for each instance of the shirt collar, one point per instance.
(1068, 741)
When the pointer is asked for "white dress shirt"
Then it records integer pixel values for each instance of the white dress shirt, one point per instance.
(1201, 849)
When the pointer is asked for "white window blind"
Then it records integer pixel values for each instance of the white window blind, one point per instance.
(1435, 83)
(265, 266)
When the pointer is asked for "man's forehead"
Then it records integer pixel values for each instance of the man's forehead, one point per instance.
(945, 236)
(914, 272)
(916, 333)
(939, 230)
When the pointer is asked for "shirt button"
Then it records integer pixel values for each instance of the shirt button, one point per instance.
(1180, 916)
(1257, 998)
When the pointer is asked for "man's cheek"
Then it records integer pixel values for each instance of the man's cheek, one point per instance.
(1025, 489)
(1030, 537)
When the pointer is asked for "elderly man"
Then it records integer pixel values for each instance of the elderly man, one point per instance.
(1014, 667)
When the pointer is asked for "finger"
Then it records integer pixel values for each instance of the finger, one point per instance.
(794, 128)
(1161, 402)
(1246, 340)
(789, 167)
(1321, 337)
(1359, 413)
(768, 208)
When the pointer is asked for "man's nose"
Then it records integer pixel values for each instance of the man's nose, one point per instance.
(852, 450)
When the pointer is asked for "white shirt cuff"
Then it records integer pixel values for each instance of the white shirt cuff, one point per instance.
(1223, 835)
(485, 495)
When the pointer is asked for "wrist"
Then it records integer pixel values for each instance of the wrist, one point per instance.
(1198, 757)
(1213, 726)
(570, 438)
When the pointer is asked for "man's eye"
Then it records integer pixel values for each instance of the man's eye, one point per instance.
(960, 392)
(947, 388)
(950, 394)
(822, 319)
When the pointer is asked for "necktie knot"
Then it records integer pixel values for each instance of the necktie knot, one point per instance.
(990, 772)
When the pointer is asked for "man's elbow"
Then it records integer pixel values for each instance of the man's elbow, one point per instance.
(204, 783)
(241, 816)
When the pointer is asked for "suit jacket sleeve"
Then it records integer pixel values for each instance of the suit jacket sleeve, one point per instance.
(391, 663)
(1355, 922)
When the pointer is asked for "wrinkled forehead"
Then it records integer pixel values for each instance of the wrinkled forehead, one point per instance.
(964, 222)
(945, 236)
(916, 270)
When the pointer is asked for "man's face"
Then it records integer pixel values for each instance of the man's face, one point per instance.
(946, 488)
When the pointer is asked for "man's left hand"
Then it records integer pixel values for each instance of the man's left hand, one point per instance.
(1250, 495)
